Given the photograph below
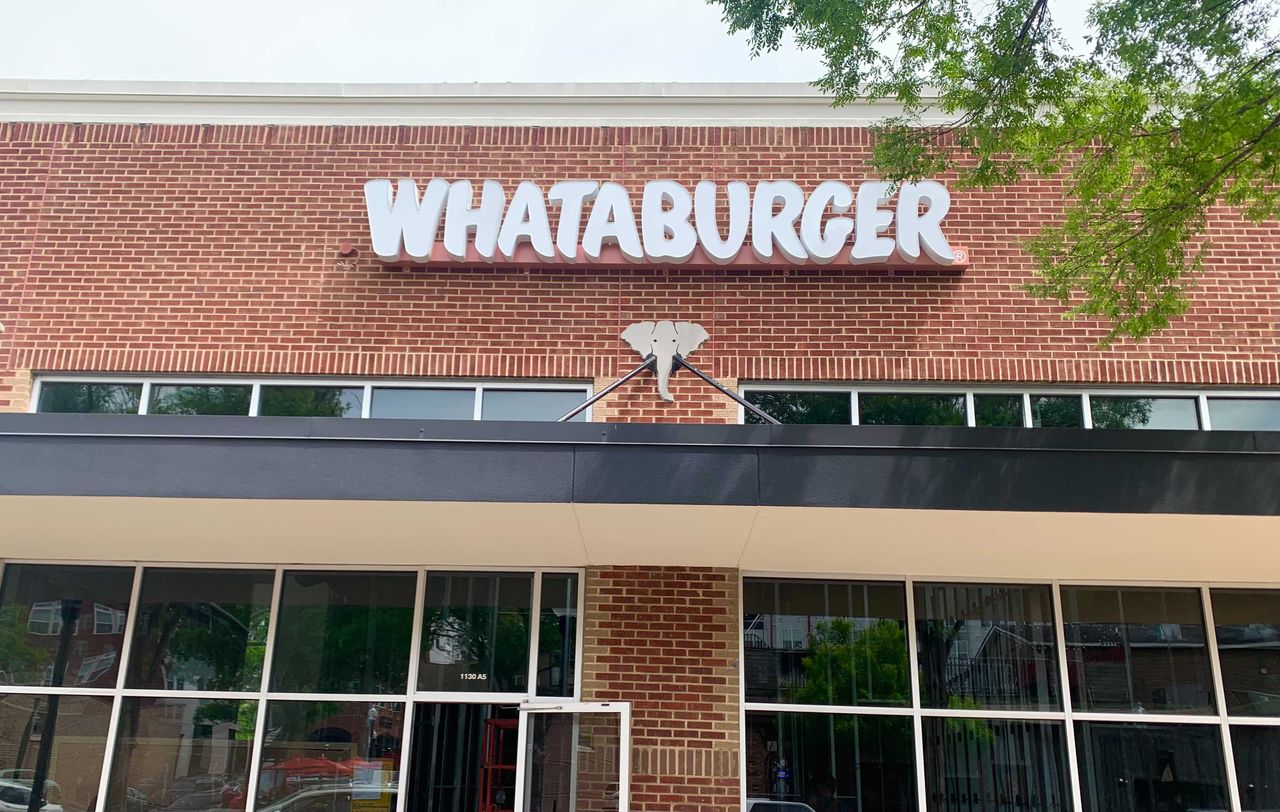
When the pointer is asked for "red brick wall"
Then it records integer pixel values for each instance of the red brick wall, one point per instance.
(666, 640)
(213, 249)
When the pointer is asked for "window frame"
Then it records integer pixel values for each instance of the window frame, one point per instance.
(367, 385)
(263, 695)
(1200, 395)
(1067, 716)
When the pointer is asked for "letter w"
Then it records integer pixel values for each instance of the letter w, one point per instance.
(393, 218)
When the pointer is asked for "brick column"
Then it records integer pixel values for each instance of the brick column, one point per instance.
(666, 640)
(15, 390)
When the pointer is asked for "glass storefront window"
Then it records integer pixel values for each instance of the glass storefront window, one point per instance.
(1112, 412)
(424, 404)
(991, 646)
(530, 404)
(201, 629)
(1057, 411)
(1137, 650)
(188, 754)
(331, 756)
(1247, 625)
(1257, 756)
(68, 734)
(981, 765)
(63, 624)
(464, 757)
(825, 642)
(997, 410)
(876, 409)
(826, 408)
(90, 398)
(310, 401)
(344, 632)
(1244, 414)
(199, 399)
(558, 635)
(1135, 767)
(475, 632)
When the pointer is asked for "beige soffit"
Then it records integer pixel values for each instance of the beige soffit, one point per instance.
(584, 104)
(846, 541)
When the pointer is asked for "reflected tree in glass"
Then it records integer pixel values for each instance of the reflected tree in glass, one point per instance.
(910, 410)
(997, 410)
(199, 399)
(310, 401)
(1057, 411)
(476, 632)
(811, 408)
(90, 398)
(73, 745)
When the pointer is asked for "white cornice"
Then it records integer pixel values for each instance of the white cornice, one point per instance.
(587, 104)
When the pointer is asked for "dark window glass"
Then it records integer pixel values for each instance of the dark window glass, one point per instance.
(330, 757)
(202, 630)
(344, 632)
(910, 410)
(1257, 753)
(987, 647)
(475, 632)
(199, 399)
(986, 765)
(825, 642)
(188, 754)
(1139, 650)
(530, 404)
(997, 410)
(1134, 767)
(424, 404)
(90, 398)
(573, 762)
(1143, 413)
(462, 752)
(828, 408)
(1057, 411)
(310, 401)
(51, 614)
(1244, 414)
(1248, 630)
(831, 761)
(67, 733)
(558, 635)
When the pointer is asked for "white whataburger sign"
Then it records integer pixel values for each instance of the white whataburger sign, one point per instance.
(673, 225)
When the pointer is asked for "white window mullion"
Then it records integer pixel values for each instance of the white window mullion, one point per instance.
(477, 412)
(1086, 409)
(366, 404)
(33, 405)
(970, 413)
(917, 721)
(1064, 678)
(855, 411)
(113, 729)
(255, 398)
(1220, 695)
(117, 704)
(535, 632)
(1202, 404)
(260, 720)
(144, 405)
(415, 654)
(1027, 420)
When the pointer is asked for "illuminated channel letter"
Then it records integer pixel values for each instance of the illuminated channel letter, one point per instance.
(664, 222)
(399, 218)
(704, 216)
(872, 221)
(461, 220)
(570, 196)
(825, 243)
(526, 221)
(769, 228)
(612, 221)
(918, 230)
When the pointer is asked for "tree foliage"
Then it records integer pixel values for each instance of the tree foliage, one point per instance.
(1172, 108)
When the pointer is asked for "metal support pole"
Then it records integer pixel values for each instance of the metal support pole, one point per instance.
(751, 407)
(648, 362)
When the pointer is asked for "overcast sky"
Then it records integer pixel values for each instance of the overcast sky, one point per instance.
(389, 41)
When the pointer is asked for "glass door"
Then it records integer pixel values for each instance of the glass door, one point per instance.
(575, 757)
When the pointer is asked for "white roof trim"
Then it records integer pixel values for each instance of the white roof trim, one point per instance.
(588, 104)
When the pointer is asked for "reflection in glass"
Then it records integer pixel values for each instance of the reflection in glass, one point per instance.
(910, 410)
(65, 734)
(573, 762)
(997, 410)
(310, 401)
(530, 404)
(464, 757)
(181, 754)
(199, 399)
(202, 630)
(987, 647)
(1247, 624)
(424, 404)
(1135, 649)
(90, 398)
(828, 408)
(1257, 753)
(1244, 414)
(1110, 412)
(475, 632)
(344, 632)
(825, 642)
(558, 635)
(1057, 411)
(1134, 767)
(988, 765)
(831, 761)
(331, 757)
(63, 625)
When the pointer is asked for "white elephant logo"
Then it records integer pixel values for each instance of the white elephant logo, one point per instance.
(664, 341)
